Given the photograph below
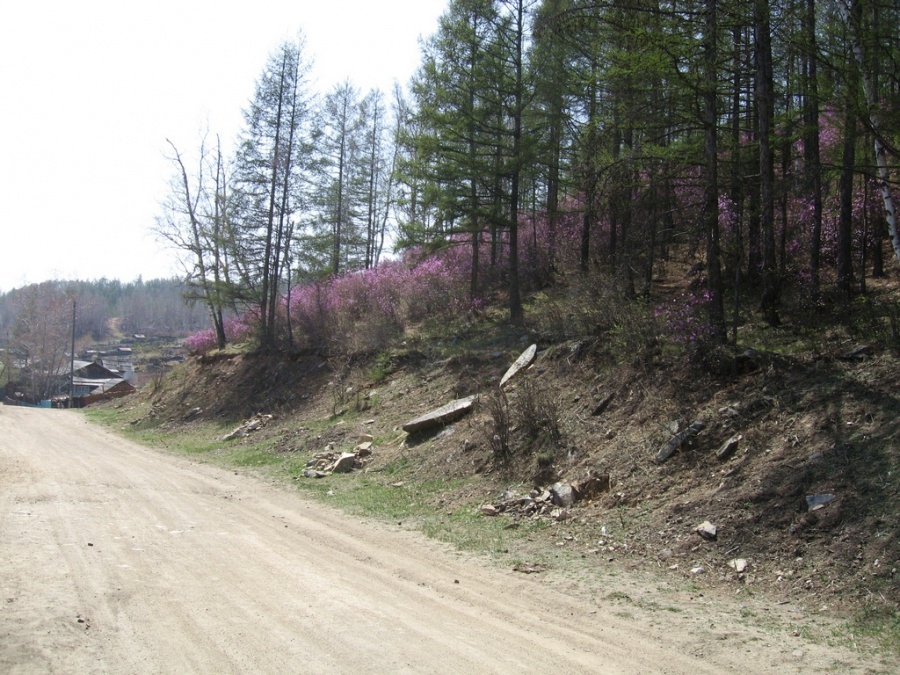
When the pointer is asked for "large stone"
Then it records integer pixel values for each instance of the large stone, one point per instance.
(441, 416)
(562, 494)
(520, 364)
(345, 463)
(708, 531)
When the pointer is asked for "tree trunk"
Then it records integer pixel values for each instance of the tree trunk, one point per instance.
(515, 300)
(268, 334)
(851, 11)
(848, 162)
(812, 156)
(765, 104)
(711, 182)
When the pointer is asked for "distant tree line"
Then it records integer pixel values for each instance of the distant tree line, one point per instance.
(36, 322)
(762, 135)
(154, 307)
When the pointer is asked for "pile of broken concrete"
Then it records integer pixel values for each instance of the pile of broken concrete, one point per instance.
(332, 461)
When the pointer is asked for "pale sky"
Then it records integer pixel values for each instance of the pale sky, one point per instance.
(91, 89)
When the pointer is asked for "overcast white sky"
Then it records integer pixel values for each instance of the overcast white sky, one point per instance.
(91, 89)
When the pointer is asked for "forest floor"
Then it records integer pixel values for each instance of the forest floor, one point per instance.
(805, 503)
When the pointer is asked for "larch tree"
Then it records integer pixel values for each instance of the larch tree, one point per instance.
(272, 156)
(378, 176)
(341, 158)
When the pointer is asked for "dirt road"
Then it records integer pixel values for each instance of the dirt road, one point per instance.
(119, 559)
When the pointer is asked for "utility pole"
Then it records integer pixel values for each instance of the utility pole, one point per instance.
(72, 364)
(7, 369)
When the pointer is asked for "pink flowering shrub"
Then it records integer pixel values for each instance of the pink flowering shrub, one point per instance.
(237, 328)
(685, 317)
(311, 313)
(362, 311)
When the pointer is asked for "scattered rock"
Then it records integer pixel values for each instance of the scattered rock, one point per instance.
(729, 447)
(489, 510)
(816, 502)
(525, 504)
(708, 531)
(698, 570)
(249, 426)
(559, 514)
(669, 447)
(562, 494)
(345, 463)
(330, 461)
(739, 565)
(520, 364)
(441, 416)
(541, 495)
